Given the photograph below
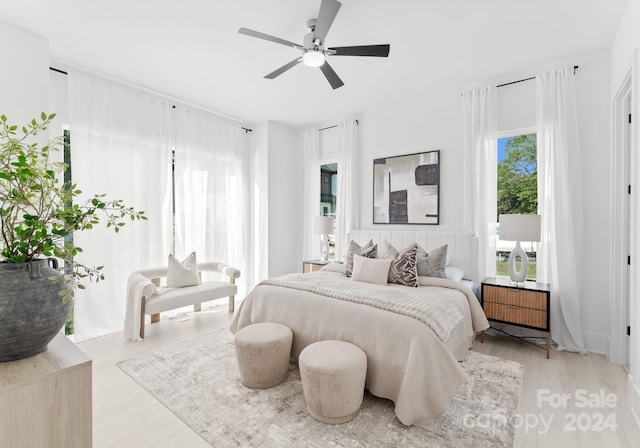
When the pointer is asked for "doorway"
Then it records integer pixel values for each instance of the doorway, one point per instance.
(621, 224)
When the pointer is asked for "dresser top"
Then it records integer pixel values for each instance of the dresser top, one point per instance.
(62, 355)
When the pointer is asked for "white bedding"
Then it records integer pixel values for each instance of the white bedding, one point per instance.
(407, 361)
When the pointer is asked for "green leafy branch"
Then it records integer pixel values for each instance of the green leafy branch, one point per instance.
(38, 213)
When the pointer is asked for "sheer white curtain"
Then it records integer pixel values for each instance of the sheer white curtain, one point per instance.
(560, 204)
(211, 192)
(347, 149)
(120, 146)
(480, 146)
(311, 141)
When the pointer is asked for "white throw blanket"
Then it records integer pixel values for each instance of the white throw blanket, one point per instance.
(138, 286)
(440, 314)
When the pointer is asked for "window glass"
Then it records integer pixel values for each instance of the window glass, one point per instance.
(517, 193)
(328, 197)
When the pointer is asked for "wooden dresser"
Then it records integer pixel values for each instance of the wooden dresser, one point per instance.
(45, 400)
(523, 305)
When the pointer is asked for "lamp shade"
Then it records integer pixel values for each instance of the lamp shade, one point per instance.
(520, 227)
(323, 225)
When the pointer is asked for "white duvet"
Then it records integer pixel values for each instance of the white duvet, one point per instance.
(406, 361)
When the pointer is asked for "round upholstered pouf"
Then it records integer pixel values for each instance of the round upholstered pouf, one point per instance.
(263, 352)
(333, 375)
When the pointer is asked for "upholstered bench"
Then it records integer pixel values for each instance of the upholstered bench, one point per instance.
(188, 295)
(333, 375)
(263, 351)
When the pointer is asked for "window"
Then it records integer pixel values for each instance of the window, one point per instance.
(66, 144)
(517, 192)
(328, 190)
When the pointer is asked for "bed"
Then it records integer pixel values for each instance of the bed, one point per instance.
(413, 353)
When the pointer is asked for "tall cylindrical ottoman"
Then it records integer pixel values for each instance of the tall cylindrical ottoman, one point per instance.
(263, 351)
(333, 375)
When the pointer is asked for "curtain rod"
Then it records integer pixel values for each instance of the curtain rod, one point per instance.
(246, 130)
(331, 127)
(58, 70)
(575, 67)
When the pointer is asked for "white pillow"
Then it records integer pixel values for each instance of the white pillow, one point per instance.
(370, 270)
(334, 267)
(454, 273)
(182, 274)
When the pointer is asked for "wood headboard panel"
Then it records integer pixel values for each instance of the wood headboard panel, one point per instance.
(462, 246)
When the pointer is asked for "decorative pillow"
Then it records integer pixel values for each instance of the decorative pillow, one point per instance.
(423, 254)
(454, 273)
(369, 250)
(182, 274)
(403, 269)
(386, 250)
(334, 267)
(434, 264)
(370, 270)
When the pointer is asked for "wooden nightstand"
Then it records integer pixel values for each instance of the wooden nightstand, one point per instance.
(313, 265)
(525, 306)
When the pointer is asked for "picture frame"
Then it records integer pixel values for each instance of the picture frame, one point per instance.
(406, 189)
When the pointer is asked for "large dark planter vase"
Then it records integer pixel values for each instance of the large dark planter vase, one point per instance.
(31, 308)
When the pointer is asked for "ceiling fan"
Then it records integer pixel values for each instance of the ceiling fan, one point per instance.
(314, 52)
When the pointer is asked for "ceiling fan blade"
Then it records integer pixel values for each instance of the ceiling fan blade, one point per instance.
(268, 37)
(283, 69)
(326, 15)
(363, 50)
(331, 76)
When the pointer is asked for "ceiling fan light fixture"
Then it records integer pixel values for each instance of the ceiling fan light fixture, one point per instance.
(313, 58)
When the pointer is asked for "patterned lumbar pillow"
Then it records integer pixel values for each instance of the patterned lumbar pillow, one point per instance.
(182, 274)
(403, 268)
(434, 263)
(369, 250)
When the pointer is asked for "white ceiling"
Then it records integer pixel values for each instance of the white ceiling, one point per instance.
(190, 49)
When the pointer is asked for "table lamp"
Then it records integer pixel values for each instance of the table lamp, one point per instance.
(519, 228)
(323, 226)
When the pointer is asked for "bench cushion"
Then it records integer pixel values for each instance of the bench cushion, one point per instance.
(172, 298)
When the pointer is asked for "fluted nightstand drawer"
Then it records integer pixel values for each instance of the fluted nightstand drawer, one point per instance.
(515, 297)
(516, 315)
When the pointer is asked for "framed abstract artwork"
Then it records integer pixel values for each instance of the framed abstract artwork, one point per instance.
(406, 189)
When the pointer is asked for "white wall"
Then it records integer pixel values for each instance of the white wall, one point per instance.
(432, 119)
(424, 122)
(24, 81)
(592, 89)
(623, 58)
(285, 199)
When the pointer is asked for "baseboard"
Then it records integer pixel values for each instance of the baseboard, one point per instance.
(617, 355)
(596, 343)
(634, 399)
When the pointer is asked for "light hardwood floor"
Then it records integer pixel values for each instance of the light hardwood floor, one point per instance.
(125, 415)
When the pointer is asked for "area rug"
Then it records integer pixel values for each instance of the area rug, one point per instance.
(198, 380)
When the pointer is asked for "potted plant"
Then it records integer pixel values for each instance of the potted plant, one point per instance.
(38, 217)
